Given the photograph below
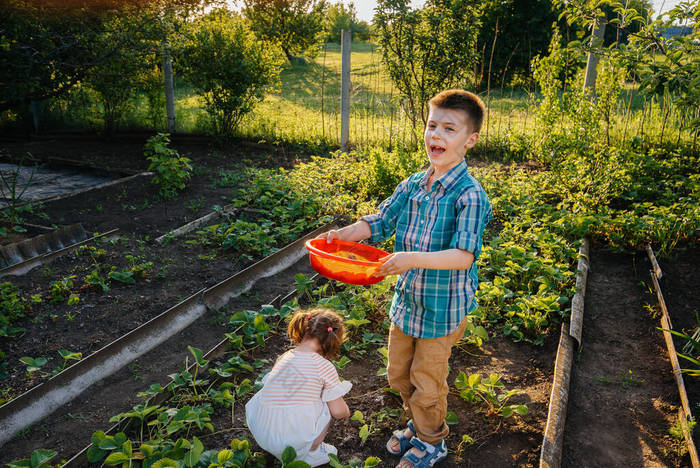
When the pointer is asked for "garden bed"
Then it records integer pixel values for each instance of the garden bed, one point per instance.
(185, 265)
(623, 398)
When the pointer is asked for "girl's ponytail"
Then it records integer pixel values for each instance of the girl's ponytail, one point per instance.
(323, 324)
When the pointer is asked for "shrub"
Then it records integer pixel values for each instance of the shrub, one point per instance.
(172, 170)
(228, 66)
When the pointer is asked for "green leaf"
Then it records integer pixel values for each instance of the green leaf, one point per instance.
(198, 356)
(474, 379)
(521, 410)
(165, 463)
(364, 433)
(24, 463)
(95, 454)
(146, 450)
(289, 455)
(116, 458)
(334, 461)
(192, 457)
(223, 456)
(70, 355)
(41, 456)
(451, 418)
(357, 416)
(297, 464)
(480, 332)
(461, 381)
(371, 462)
(507, 412)
(260, 323)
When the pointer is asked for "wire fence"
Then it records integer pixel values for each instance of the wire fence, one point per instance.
(306, 109)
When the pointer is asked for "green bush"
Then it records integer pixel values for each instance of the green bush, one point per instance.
(172, 170)
(228, 66)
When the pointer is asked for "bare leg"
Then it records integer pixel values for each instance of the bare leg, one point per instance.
(320, 437)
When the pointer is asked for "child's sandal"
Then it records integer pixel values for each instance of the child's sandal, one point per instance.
(433, 454)
(404, 442)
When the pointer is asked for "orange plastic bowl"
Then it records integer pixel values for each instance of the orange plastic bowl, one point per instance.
(349, 262)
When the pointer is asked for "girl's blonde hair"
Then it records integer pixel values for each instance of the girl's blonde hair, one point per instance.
(323, 324)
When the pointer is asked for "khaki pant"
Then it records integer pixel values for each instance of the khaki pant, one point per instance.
(418, 369)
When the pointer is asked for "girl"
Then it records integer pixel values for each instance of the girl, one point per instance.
(302, 391)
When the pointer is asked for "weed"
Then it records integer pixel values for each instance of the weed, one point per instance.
(12, 188)
(195, 204)
(5, 394)
(61, 289)
(677, 432)
(23, 433)
(465, 442)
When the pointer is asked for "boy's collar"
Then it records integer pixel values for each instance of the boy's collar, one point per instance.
(448, 179)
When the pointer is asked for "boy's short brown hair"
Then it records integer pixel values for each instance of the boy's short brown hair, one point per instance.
(460, 99)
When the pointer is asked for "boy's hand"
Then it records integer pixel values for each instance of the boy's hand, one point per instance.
(329, 236)
(395, 264)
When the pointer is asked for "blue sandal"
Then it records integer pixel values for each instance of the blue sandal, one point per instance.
(404, 442)
(433, 453)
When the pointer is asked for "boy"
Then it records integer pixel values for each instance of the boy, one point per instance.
(438, 216)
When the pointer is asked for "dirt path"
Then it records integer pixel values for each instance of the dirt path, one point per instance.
(623, 398)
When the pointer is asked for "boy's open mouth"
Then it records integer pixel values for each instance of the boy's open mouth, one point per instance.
(436, 150)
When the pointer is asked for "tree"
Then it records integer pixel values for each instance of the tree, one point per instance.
(48, 46)
(116, 80)
(228, 66)
(426, 50)
(521, 29)
(296, 25)
(341, 17)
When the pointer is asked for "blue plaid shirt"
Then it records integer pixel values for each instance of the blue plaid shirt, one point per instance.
(453, 214)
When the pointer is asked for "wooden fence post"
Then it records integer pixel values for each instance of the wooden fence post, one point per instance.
(345, 90)
(593, 59)
(169, 88)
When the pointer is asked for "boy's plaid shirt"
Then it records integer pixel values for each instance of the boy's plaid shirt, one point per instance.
(432, 303)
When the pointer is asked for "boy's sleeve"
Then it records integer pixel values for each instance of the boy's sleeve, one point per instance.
(383, 224)
(473, 214)
(333, 388)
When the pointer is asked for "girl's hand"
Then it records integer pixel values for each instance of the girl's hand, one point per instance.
(395, 264)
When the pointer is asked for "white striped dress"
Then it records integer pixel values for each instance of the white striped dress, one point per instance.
(291, 409)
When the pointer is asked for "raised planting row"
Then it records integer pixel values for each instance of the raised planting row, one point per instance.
(67, 429)
(497, 393)
(81, 302)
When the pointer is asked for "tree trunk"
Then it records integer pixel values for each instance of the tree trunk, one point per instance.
(289, 56)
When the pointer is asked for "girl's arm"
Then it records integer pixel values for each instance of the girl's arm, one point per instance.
(339, 409)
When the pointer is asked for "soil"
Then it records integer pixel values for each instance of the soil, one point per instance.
(185, 268)
(679, 283)
(623, 398)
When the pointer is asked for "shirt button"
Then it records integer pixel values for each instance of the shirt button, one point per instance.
(421, 221)
(427, 197)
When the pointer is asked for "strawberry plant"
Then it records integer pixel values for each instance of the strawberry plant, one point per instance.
(490, 393)
(38, 459)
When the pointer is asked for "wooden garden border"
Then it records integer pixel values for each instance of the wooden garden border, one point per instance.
(685, 412)
(570, 340)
